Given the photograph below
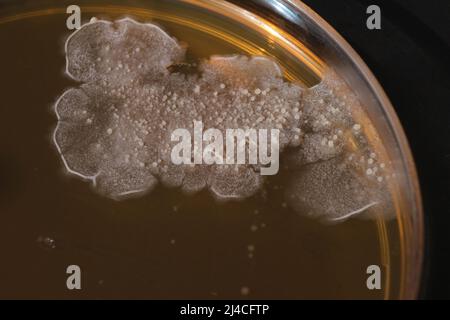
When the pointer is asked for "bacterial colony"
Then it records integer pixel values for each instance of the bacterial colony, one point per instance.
(114, 128)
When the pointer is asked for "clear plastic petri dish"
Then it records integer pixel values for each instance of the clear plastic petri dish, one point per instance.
(263, 246)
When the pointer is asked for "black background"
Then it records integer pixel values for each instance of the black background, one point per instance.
(410, 57)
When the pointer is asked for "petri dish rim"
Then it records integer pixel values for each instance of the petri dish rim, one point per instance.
(411, 226)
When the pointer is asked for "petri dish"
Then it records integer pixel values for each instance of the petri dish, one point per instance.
(167, 244)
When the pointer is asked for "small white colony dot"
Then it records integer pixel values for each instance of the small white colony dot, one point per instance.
(357, 127)
(109, 131)
(251, 248)
(253, 228)
(257, 91)
(245, 291)
(369, 172)
(222, 86)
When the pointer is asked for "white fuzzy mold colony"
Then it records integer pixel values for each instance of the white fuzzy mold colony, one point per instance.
(115, 128)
